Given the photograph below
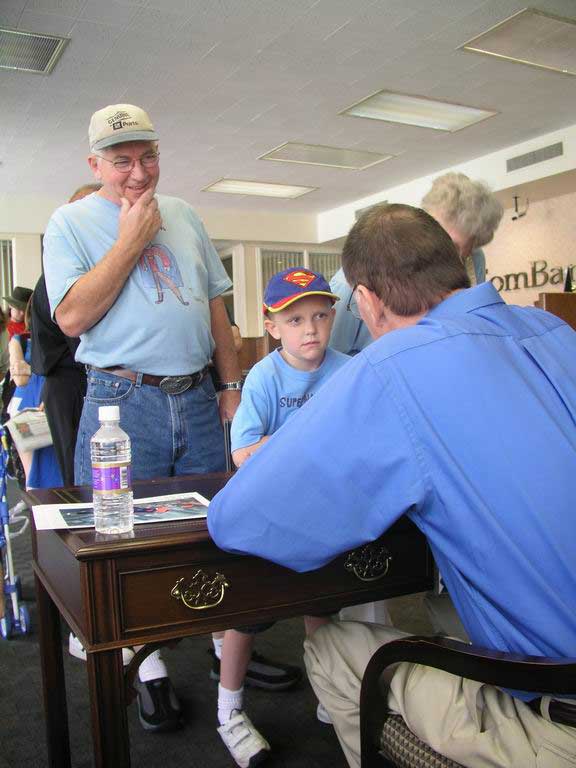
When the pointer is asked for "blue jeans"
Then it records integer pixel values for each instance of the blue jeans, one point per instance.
(170, 434)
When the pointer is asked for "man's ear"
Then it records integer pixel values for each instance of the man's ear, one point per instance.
(369, 302)
(272, 328)
(94, 167)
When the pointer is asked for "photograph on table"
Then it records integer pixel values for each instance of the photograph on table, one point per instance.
(152, 510)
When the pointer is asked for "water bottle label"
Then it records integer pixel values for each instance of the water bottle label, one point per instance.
(111, 477)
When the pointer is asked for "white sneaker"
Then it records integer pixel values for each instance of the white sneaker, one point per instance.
(322, 714)
(75, 648)
(245, 744)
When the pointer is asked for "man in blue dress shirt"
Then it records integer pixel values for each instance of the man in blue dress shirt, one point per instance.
(461, 415)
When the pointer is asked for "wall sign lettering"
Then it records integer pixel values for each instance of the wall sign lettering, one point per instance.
(539, 275)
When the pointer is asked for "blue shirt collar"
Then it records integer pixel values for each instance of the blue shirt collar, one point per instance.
(467, 300)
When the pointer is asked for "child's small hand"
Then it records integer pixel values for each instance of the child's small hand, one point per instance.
(240, 455)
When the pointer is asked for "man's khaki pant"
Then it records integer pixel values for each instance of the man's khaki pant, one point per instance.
(476, 725)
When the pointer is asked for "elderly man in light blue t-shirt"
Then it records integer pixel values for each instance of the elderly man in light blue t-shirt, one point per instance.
(135, 276)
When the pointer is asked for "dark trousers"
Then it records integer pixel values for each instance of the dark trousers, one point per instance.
(63, 397)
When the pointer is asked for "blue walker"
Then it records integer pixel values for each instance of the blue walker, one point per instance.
(14, 616)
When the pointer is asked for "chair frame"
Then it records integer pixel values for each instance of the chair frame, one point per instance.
(537, 674)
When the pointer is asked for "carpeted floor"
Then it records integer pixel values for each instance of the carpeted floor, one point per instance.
(287, 719)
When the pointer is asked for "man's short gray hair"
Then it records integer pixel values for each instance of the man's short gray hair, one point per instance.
(468, 206)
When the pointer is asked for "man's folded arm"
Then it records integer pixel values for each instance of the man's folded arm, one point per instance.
(297, 503)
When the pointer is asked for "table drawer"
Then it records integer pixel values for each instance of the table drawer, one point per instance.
(201, 587)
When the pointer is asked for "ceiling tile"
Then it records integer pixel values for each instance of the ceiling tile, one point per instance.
(225, 81)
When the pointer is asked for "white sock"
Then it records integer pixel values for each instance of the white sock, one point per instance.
(218, 643)
(152, 668)
(228, 701)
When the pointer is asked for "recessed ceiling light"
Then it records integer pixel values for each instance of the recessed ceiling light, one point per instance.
(30, 52)
(318, 154)
(417, 110)
(262, 188)
(531, 37)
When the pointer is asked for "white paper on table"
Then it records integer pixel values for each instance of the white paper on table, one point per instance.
(151, 510)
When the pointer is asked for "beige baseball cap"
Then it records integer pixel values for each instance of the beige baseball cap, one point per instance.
(117, 123)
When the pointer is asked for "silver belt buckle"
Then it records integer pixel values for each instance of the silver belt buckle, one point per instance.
(175, 385)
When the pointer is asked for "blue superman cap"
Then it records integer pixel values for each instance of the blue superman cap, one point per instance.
(286, 287)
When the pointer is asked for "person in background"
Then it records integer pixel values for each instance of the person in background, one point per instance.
(17, 301)
(4, 339)
(147, 350)
(462, 416)
(40, 466)
(468, 211)
(298, 307)
(64, 388)
(9, 326)
(64, 379)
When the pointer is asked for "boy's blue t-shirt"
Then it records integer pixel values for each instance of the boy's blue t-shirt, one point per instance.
(273, 391)
(160, 321)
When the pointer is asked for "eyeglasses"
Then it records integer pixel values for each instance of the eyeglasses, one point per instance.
(126, 164)
(352, 305)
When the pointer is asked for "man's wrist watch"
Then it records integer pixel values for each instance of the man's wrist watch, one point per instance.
(233, 385)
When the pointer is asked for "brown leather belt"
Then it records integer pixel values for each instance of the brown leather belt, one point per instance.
(559, 711)
(170, 385)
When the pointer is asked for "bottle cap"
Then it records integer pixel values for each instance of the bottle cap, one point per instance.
(109, 413)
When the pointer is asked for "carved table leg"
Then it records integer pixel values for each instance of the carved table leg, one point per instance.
(108, 703)
(53, 682)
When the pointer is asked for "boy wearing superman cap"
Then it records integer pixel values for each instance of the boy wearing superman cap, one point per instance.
(298, 306)
(299, 312)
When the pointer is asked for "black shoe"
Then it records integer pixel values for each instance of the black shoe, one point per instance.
(158, 707)
(263, 673)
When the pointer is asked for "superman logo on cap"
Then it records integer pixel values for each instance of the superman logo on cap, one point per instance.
(300, 277)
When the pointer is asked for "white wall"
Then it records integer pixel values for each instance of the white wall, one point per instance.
(490, 168)
(26, 214)
(26, 258)
(22, 220)
(546, 234)
(259, 226)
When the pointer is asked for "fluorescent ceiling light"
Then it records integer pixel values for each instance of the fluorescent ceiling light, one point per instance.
(262, 188)
(417, 110)
(531, 37)
(317, 154)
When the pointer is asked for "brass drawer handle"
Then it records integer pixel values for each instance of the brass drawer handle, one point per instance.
(201, 592)
(369, 563)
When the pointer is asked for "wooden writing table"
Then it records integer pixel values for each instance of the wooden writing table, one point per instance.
(169, 581)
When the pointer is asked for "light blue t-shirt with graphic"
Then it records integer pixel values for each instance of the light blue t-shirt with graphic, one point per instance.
(273, 391)
(160, 322)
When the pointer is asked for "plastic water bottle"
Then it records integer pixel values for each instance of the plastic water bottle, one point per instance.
(111, 475)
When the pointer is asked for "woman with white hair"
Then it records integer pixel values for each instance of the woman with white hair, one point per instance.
(468, 211)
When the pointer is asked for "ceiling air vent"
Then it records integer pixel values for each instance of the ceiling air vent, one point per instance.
(30, 52)
(538, 156)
